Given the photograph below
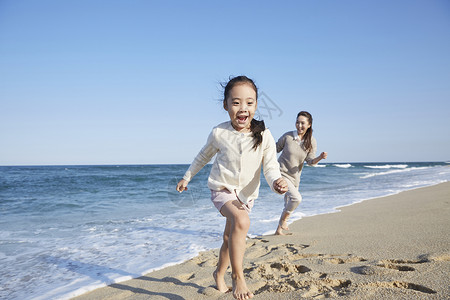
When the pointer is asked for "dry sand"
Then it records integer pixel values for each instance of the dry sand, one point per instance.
(394, 247)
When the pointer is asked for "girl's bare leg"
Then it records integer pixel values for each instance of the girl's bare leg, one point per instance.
(239, 225)
(224, 261)
(282, 224)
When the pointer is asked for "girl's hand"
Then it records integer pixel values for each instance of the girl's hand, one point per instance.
(182, 185)
(280, 185)
(323, 155)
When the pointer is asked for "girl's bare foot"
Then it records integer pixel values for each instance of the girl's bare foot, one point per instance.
(220, 283)
(240, 290)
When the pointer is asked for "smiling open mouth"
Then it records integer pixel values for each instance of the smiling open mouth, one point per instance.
(242, 119)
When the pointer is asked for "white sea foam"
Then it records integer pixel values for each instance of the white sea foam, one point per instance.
(393, 172)
(320, 166)
(345, 166)
(387, 167)
(269, 220)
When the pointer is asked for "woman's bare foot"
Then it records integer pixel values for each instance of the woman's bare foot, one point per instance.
(240, 290)
(220, 283)
(283, 224)
(279, 231)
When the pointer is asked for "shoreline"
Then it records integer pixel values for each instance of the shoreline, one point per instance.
(312, 254)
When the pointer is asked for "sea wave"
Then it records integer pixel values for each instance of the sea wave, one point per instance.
(387, 167)
(343, 165)
(269, 220)
(392, 172)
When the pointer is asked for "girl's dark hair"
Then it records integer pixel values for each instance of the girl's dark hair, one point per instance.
(257, 127)
(308, 134)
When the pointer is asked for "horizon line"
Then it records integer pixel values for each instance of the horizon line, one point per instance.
(168, 164)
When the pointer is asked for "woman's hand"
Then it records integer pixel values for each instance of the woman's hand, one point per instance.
(182, 185)
(316, 160)
(280, 185)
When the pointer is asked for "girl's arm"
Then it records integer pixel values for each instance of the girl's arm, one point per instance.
(202, 158)
(280, 185)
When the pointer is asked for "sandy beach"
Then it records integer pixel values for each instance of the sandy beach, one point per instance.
(395, 247)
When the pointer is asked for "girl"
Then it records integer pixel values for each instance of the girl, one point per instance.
(242, 145)
(297, 146)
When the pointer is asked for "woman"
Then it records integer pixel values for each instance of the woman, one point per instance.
(297, 147)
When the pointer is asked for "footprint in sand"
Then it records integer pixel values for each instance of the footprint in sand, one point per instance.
(321, 288)
(370, 270)
(258, 250)
(425, 258)
(383, 267)
(289, 268)
(327, 288)
(403, 261)
(399, 264)
(288, 277)
(349, 259)
(401, 285)
(396, 267)
(275, 270)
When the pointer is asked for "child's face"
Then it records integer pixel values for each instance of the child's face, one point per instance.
(302, 124)
(241, 106)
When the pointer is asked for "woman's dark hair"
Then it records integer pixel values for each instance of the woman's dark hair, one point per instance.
(257, 127)
(308, 134)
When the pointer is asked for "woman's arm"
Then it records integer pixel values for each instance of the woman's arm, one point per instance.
(310, 159)
(316, 160)
(271, 168)
(280, 143)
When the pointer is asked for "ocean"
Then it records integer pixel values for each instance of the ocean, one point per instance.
(66, 230)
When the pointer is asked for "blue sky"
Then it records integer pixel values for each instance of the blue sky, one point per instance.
(137, 82)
